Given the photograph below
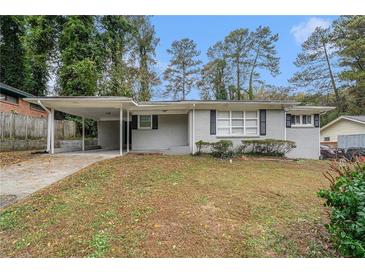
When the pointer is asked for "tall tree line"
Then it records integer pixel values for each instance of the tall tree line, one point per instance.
(331, 65)
(81, 55)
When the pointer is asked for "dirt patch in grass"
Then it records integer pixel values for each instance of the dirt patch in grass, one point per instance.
(15, 157)
(174, 206)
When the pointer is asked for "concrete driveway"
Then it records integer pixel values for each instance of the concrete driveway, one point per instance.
(20, 180)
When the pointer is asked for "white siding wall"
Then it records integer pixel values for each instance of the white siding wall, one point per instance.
(172, 131)
(108, 134)
(306, 140)
(342, 127)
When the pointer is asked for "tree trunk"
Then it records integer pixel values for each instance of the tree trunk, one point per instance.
(338, 99)
(250, 90)
(238, 89)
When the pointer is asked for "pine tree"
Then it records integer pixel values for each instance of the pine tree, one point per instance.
(12, 55)
(215, 74)
(349, 34)
(238, 44)
(144, 51)
(182, 70)
(263, 55)
(316, 62)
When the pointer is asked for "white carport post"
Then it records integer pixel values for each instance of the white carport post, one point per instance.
(52, 131)
(49, 128)
(127, 131)
(121, 131)
(83, 134)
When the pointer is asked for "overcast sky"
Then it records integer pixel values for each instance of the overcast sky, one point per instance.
(207, 30)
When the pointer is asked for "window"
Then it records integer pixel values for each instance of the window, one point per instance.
(326, 139)
(237, 123)
(145, 121)
(8, 98)
(36, 107)
(301, 120)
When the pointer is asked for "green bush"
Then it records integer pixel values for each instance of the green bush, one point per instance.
(346, 198)
(200, 145)
(268, 147)
(222, 149)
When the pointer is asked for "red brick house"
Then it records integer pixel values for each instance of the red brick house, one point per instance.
(11, 100)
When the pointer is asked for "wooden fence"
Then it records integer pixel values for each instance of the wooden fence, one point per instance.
(21, 127)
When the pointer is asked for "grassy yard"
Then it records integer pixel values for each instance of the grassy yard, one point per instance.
(174, 206)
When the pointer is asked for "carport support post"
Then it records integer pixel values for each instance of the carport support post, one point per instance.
(127, 131)
(121, 131)
(83, 134)
(49, 128)
(52, 131)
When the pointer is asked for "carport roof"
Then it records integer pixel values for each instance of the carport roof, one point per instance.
(108, 107)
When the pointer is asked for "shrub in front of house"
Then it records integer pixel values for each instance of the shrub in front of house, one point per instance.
(222, 149)
(346, 198)
(200, 146)
(266, 147)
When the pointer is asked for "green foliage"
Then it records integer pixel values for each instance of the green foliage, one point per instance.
(12, 54)
(222, 149)
(40, 41)
(100, 243)
(263, 55)
(267, 147)
(200, 145)
(346, 198)
(349, 35)
(80, 59)
(316, 61)
(182, 70)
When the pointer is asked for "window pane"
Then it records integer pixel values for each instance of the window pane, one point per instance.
(251, 131)
(251, 114)
(223, 114)
(292, 119)
(237, 114)
(307, 119)
(222, 131)
(237, 123)
(297, 119)
(11, 99)
(223, 123)
(145, 121)
(237, 131)
(251, 123)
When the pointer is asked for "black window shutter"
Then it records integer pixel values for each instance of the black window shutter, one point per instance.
(316, 120)
(154, 121)
(288, 120)
(262, 121)
(213, 122)
(134, 121)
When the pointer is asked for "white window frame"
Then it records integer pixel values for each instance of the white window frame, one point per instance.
(301, 121)
(230, 127)
(139, 126)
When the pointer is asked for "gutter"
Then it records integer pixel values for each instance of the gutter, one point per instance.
(46, 109)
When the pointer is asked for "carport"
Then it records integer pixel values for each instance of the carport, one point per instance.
(99, 108)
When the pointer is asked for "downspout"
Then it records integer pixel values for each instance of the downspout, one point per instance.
(49, 116)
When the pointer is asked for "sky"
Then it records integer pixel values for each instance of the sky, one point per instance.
(207, 30)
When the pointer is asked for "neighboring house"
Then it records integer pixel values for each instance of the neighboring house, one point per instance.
(174, 126)
(11, 100)
(342, 126)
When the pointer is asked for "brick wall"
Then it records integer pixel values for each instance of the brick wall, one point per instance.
(22, 107)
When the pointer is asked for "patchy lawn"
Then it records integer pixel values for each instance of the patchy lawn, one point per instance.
(174, 206)
(14, 157)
